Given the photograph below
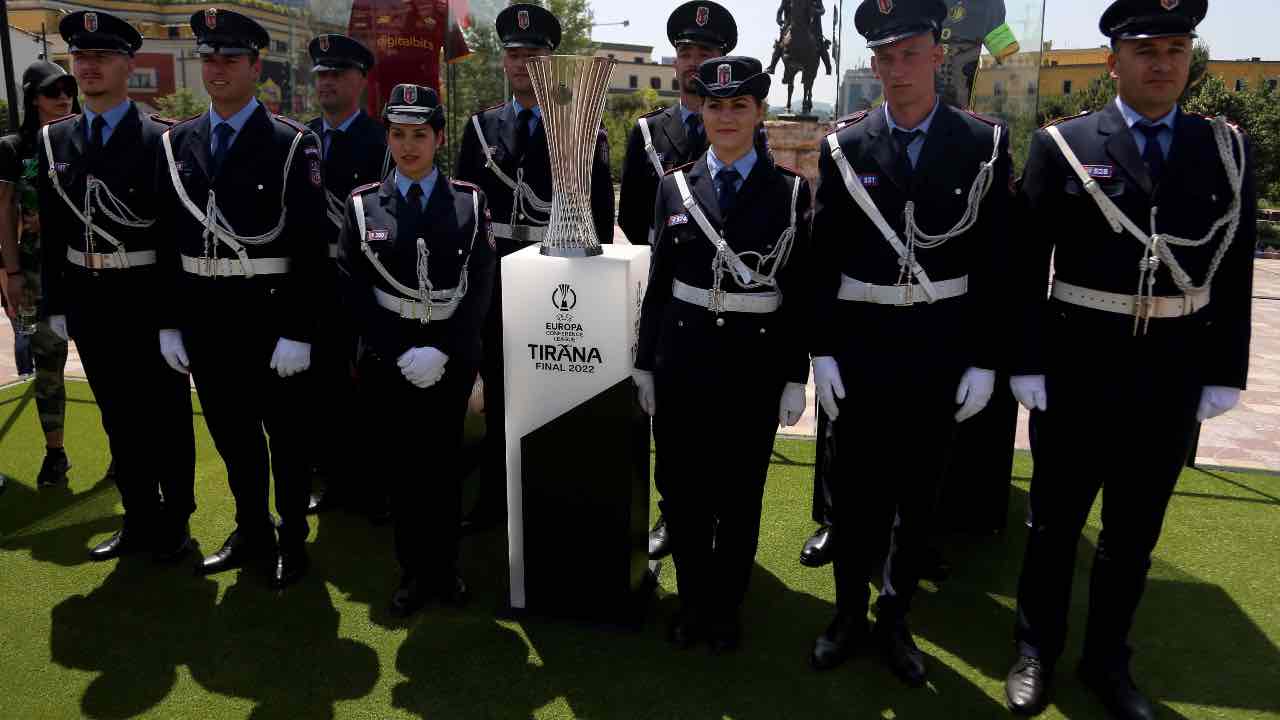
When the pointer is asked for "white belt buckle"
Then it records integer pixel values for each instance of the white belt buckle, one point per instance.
(521, 233)
(94, 261)
(715, 301)
(908, 295)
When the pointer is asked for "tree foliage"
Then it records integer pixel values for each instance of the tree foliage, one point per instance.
(181, 105)
(620, 115)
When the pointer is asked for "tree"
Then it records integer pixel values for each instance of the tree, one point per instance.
(1256, 109)
(620, 115)
(181, 105)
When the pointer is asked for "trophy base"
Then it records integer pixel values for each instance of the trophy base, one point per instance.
(575, 252)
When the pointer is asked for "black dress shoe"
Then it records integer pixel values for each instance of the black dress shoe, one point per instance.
(323, 500)
(900, 652)
(725, 637)
(173, 545)
(238, 551)
(684, 630)
(817, 549)
(659, 540)
(839, 641)
(292, 564)
(53, 471)
(1117, 692)
(453, 593)
(1026, 687)
(409, 598)
(123, 542)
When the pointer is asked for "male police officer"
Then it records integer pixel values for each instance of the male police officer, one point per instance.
(1148, 212)
(504, 152)
(673, 136)
(909, 202)
(242, 208)
(670, 137)
(354, 151)
(97, 205)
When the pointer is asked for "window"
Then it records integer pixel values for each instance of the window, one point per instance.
(675, 85)
(635, 82)
(281, 46)
(1240, 85)
(174, 31)
(655, 83)
(999, 87)
(1066, 87)
(143, 79)
(1272, 83)
(639, 61)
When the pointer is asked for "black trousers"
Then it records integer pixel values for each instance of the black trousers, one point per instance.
(893, 443)
(823, 461)
(1120, 420)
(334, 404)
(146, 411)
(260, 423)
(713, 440)
(492, 494)
(417, 448)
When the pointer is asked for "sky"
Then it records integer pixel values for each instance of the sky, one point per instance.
(1234, 29)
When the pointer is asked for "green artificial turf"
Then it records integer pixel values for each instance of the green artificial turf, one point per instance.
(125, 639)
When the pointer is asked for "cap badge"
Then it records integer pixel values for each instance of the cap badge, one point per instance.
(211, 18)
(522, 19)
(91, 21)
(702, 16)
(886, 7)
(724, 74)
(324, 43)
(1170, 4)
(411, 94)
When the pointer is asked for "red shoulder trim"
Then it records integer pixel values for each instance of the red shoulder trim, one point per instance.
(685, 166)
(292, 123)
(1064, 119)
(64, 118)
(851, 118)
(655, 111)
(492, 107)
(981, 118)
(164, 120)
(786, 168)
(463, 183)
(361, 189)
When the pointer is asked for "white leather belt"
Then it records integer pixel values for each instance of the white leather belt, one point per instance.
(858, 291)
(416, 309)
(1167, 306)
(232, 267)
(111, 261)
(759, 303)
(520, 233)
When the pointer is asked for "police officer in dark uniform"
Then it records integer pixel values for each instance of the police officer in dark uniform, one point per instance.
(504, 152)
(101, 281)
(722, 327)
(908, 231)
(354, 151)
(417, 261)
(672, 136)
(1148, 212)
(241, 206)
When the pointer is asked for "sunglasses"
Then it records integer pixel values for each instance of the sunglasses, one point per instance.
(57, 90)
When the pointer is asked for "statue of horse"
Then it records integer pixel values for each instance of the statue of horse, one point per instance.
(801, 51)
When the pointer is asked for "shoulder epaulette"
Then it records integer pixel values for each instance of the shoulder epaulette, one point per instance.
(851, 119)
(362, 188)
(685, 166)
(293, 123)
(491, 107)
(980, 118)
(64, 118)
(472, 187)
(656, 110)
(164, 120)
(1064, 119)
(788, 170)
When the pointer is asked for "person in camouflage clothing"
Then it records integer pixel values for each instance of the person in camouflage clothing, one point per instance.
(970, 25)
(48, 93)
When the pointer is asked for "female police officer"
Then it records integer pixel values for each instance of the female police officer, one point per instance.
(416, 258)
(721, 352)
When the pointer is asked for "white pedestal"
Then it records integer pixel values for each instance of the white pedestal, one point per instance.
(569, 336)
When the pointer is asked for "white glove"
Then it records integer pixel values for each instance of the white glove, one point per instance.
(58, 324)
(791, 406)
(645, 391)
(422, 366)
(827, 384)
(174, 352)
(290, 357)
(1030, 392)
(1215, 400)
(976, 386)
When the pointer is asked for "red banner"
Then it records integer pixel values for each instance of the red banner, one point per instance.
(406, 37)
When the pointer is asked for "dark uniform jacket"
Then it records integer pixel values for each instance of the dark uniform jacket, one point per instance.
(499, 125)
(454, 235)
(126, 165)
(681, 337)
(248, 190)
(640, 181)
(964, 331)
(1063, 219)
(357, 156)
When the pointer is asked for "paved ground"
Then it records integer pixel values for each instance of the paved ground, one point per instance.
(1248, 437)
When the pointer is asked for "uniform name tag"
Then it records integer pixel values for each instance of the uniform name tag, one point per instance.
(61, 167)
(870, 180)
(677, 219)
(1102, 172)
(377, 235)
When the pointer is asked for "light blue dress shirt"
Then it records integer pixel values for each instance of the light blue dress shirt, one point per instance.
(1133, 118)
(428, 184)
(913, 150)
(342, 127)
(743, 165)
(112, 117)
(236, 122)
(517, 108)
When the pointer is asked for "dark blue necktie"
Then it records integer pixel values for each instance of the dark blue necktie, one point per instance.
(693, 128)
(1153, 154)
(222, 143)
(96, 132)
(903, 139)
(727, 190)
(413, 207)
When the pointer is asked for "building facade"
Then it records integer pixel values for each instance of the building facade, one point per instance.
(637, 71)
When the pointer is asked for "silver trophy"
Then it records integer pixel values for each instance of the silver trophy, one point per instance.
(571, 90)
